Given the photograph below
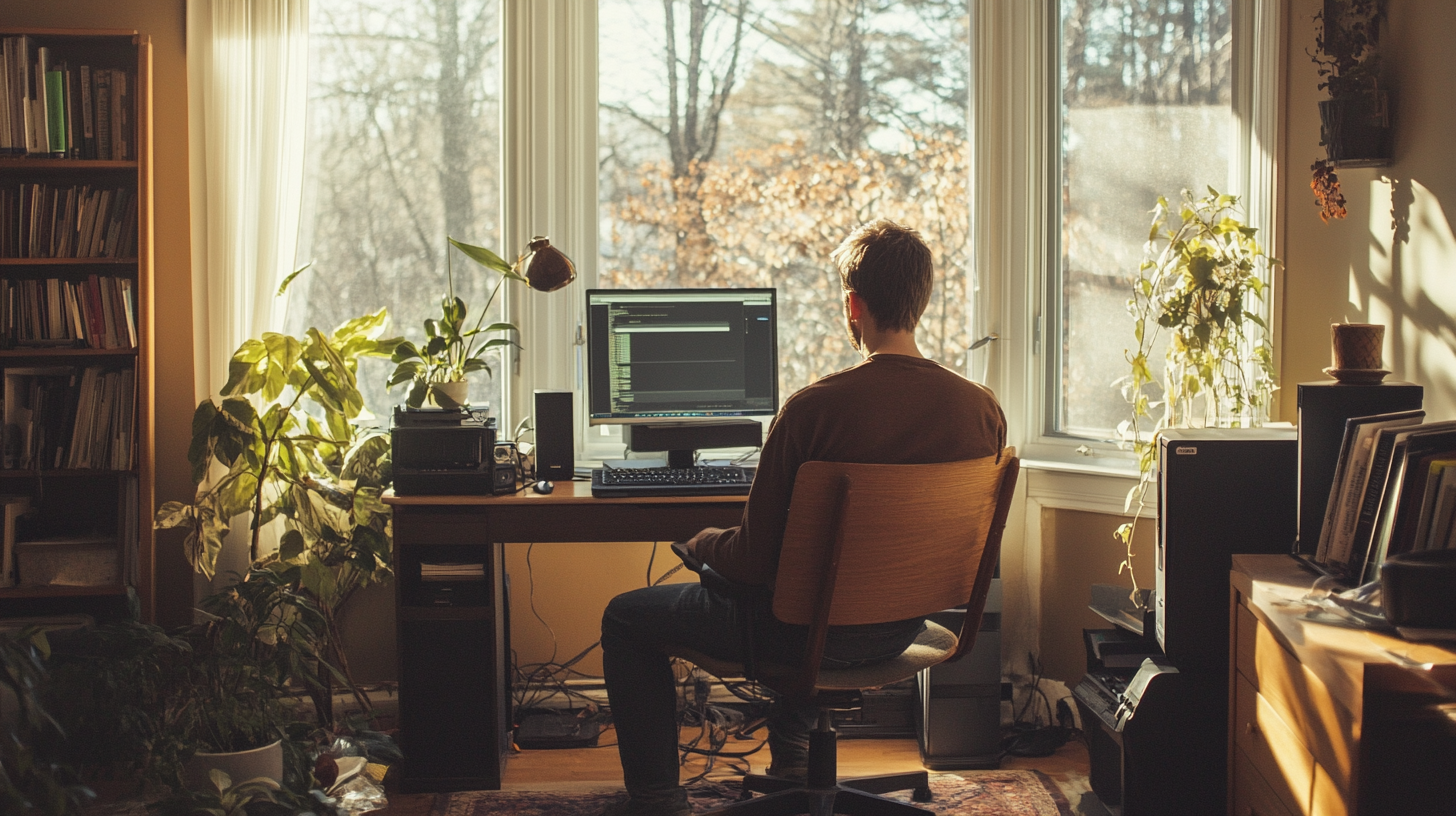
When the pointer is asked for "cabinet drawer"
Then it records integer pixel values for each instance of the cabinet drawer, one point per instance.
(1272, 747)
(1325, 726)
(1246, 628)
(1252, 795)
(1328, 799)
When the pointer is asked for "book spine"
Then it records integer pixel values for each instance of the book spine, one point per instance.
(97, 320)
(88, 115)
(1374, 494)
(118, 114)
(73, 104)
(103, 113)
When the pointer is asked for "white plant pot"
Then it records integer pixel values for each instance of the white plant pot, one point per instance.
(458, 391)
(240, 766)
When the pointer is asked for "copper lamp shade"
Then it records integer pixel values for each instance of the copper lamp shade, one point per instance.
(545, 267)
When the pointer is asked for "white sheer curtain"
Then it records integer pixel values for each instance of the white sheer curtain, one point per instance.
(247, 87)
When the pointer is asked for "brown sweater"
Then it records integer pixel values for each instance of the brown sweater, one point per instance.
(889, 409)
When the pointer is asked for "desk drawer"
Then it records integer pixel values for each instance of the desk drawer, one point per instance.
(1328, 799)
(1252, 794)
(1297, 696)
(1272, 747)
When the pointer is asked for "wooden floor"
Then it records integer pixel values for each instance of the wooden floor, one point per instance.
(598, 768)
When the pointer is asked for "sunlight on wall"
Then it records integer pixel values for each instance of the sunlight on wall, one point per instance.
(1411, 289)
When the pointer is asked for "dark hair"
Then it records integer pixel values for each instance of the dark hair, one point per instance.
(891, 268)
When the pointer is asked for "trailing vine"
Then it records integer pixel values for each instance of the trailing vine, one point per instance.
(1200, 280)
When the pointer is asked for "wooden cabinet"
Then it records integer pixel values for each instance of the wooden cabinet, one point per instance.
(1327, 720)
(76, 326)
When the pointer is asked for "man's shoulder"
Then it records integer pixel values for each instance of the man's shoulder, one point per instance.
(903, 376)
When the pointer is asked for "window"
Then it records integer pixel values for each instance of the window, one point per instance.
(1084, 111)
(404, 149)
(1146, 110)
(991, 127)
(741, 142)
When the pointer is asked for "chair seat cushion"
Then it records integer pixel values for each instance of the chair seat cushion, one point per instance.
(933, 645)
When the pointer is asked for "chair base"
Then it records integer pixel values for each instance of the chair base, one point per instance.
(857, 797)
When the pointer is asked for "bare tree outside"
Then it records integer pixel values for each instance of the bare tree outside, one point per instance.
(1146, 111)
(403, 151)
(811, 117)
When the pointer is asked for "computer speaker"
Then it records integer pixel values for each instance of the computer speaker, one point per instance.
(555, 454)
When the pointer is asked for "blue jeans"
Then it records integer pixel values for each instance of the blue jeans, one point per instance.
(641, 627)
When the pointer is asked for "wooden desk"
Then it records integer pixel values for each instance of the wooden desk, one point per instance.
(1326, 720)
(454, 635)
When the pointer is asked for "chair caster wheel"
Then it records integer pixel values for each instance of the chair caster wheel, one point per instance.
(921, 795)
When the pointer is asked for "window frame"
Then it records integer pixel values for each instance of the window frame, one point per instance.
(1017, 123)
(549, 182)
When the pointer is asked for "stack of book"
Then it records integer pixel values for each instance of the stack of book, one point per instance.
(97, 312)
(1394, 491)
(42, 221)
(53, 108)
(61, 417)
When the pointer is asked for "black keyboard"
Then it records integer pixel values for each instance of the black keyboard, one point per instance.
(689, 481)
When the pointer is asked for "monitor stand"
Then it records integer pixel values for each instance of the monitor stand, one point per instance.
(682, 440)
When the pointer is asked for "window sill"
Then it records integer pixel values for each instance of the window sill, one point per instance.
(1089, 484)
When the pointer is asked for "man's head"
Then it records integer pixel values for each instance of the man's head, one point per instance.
(891, 270)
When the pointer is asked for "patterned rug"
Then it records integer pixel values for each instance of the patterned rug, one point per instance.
(980, 793)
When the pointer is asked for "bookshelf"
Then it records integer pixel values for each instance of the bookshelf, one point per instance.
(76, 466)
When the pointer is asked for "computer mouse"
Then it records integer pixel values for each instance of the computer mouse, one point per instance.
(543, 487)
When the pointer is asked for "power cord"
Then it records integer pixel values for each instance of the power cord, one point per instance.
(1027, 738)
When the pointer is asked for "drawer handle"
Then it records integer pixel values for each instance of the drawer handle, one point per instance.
(1250, 728)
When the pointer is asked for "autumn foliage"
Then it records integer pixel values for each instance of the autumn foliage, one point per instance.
(771, 216)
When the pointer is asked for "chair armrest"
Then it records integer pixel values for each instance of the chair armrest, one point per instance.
(714, 580)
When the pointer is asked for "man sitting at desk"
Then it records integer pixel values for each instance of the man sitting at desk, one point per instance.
(894, 407)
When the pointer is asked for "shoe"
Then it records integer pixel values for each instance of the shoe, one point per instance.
(673, 804)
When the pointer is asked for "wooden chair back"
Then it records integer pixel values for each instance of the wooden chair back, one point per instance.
(878, 543)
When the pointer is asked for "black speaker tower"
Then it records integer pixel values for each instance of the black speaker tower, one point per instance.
(555, 452)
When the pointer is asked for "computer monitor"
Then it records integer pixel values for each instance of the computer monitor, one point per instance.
(695, 358)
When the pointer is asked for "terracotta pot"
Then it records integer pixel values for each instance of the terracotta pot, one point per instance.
(240, 766)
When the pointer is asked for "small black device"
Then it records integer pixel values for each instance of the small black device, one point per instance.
(1155, 744)
(443, 452)
(505, 468)
(555, 456)
(543, 487)
(669, 481)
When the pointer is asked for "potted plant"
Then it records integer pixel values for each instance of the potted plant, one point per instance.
(1355, 120)
(437, 371)
(34, 777)
(109, 686)
(1201, 275)
(251, 641)
(289, 444)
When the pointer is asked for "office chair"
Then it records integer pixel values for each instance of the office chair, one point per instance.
(871, 544)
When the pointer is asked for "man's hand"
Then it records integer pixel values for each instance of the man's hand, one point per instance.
(684, 550)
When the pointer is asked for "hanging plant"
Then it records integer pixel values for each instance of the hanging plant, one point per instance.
(1200, 280)
(1355, 120)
